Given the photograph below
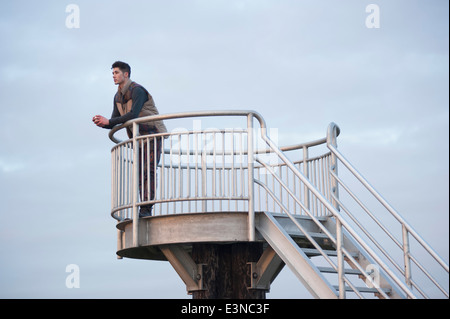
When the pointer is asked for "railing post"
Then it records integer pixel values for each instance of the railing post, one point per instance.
(340, 259)
(204, 173)
(306, 173)
(135, 186)
(407, 260)
(332, 140)
(251, 187)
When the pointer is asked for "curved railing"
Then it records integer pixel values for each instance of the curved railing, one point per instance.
(207, 170)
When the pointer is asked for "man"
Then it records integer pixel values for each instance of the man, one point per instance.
(131, 101)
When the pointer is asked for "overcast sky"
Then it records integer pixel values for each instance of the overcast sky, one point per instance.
(300, 63)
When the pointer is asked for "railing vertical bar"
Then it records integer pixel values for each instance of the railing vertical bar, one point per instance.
(241, 164)
(155, 172)
(340, 259)
(204, 172)
(233, 174)
(222, 173)
(322, 182)
(162, 174)
(306, 173)
(127, 164)
(135, 190)
(334, 169)
(251, 189)
(294, 181)
(113, 177)
(319, 186)
(129, 180)
(180, 176)
(188, 171)
(299, 188)
(214, 194)
(406, 258)
(125, 178)
(259, 188)
(146, 147)
(280, 189)
(266, 175)
(196, 170)
(313, 179)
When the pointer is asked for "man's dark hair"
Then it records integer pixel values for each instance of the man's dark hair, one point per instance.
(124, 67)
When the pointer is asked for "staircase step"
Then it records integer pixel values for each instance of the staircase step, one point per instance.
(298, 233)
(365, 289)
(331, 270)
(320, 238)
(311, 252)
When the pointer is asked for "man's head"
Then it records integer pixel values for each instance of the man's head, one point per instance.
(121, 72)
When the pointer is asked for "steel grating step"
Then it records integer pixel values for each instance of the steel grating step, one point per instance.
(331, 270)
(298, 233)
(365, 289)
(311, 252)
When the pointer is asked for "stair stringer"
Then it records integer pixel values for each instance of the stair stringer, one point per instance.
(294, 257)
(363, 260)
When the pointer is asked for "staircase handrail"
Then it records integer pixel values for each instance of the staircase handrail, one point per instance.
(313, 241)
(333, 129)
(336, 214)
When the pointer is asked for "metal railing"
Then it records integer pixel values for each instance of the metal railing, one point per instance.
(216, 170)
(207, 170)
(398, 252)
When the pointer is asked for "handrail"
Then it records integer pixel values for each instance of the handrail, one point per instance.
(324, 230)
(180, 115)
(393, 212)
(406, 227)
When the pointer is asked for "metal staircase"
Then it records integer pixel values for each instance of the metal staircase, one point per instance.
(303, 258)
(335, 232)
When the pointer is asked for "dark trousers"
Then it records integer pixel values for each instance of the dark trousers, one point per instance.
(150, 154)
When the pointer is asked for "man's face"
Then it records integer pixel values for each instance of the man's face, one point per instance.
(118, 76)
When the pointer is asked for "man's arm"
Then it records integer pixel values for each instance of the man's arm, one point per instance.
(139, 97)
(102, 121)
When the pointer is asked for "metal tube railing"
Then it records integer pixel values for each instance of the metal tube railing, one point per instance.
(175, 172)
(208, 170)
(406, 229)
(251, 189)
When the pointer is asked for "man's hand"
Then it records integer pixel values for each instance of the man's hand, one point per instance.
(100, 120)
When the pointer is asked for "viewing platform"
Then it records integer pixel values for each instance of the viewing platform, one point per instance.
(229, 202)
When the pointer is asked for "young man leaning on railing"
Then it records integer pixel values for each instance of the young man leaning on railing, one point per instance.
(131, 101)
